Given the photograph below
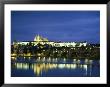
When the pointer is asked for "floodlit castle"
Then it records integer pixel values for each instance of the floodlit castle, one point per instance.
(39, 39)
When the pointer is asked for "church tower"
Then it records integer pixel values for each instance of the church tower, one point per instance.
(40, 39)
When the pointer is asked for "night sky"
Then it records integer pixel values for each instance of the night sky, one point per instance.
(65, 26)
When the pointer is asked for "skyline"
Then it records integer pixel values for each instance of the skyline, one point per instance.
(65, 26)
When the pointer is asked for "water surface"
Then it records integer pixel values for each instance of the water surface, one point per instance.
(55, 68)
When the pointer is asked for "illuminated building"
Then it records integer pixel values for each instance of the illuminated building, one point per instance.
(39, 39)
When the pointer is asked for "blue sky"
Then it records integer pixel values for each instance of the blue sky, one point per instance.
(66, 26)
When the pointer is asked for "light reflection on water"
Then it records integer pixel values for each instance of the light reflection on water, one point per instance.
(51, 60)
(55, 69)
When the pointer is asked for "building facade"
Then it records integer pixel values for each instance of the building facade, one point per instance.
(40, 40)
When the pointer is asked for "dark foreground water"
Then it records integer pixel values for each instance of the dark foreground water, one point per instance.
(55, 68)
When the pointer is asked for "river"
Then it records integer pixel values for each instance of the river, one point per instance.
(56, 67)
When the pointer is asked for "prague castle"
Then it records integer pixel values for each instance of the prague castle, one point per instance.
(39, 39)
(41, 47)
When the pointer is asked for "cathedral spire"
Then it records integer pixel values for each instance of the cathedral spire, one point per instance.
(39, 38)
